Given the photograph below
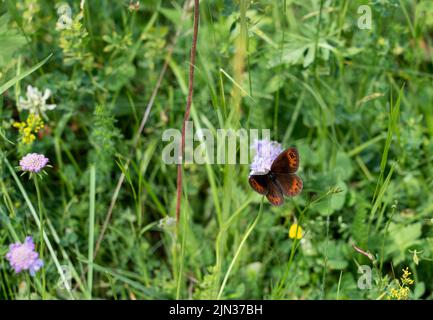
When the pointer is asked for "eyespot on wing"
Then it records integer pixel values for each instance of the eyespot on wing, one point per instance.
(286, 162)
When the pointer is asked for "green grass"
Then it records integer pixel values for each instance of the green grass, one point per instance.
(356, 103)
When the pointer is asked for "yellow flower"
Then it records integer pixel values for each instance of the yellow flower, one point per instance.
(19, 125)
(295, 231)
(405, 278)
(28, 128)
(401, 292)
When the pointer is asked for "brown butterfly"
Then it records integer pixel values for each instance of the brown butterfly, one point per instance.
(281, 180)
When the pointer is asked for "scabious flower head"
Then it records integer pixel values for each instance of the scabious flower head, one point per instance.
(33, 162)
(265, 153)
(36, 101)
(22, 256)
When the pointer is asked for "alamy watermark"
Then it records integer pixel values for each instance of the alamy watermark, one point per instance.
(365, 19)
(64, 281)
(364, 281)
(204, 146)
(64, 12)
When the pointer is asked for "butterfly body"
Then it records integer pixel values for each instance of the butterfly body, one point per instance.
(281, 180)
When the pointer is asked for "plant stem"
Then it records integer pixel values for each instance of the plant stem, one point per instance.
(91, 239)
(38, 223)
(41, 230)
(238, 251)
(188, 106)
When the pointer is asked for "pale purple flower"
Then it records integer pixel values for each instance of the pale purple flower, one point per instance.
(22, 256)
(265, 153)
(33, 162)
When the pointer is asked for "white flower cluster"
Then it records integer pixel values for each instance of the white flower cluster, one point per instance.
(36, 102)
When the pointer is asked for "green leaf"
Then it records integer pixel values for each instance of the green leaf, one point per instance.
(309, 57)
(402, 237)
(119, 74)
(335, 254)
(333, 203)
(343, 166)
(359, 225)
(22, 75)
(173, 15)
(10, 40)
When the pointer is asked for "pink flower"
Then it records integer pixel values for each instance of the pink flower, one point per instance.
(22, 256)
(33, 162)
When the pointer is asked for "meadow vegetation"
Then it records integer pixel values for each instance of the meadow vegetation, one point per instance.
(93, 88)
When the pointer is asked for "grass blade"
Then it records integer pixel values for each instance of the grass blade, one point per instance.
(91, 230)
(22, 75)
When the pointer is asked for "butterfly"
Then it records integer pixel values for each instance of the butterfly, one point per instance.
(281, 180)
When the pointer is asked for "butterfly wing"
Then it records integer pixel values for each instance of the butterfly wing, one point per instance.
(286, 181)
(290, 184)
(259, 183)
(286, 162)
(275, 195)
